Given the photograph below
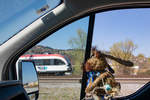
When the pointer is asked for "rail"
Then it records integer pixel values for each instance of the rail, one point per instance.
(78, 80)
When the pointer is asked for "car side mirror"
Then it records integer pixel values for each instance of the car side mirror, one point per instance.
(30, 79)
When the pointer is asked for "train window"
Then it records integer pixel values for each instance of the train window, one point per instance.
(51, 62)
(43, 62)
(124, 34)
(58, 62)
(60, 57)
(46, 62)
(37, 62)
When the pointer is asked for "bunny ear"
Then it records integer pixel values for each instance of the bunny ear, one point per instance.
(127, 63)
(94, 48)
(123, 62)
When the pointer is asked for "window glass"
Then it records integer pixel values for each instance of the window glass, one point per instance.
(51, 62)
(46, 62)
(68, 43)
(38, 62)
(124, 34)
(58, 62)
(41, 62)
(16, 14)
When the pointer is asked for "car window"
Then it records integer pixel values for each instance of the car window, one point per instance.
(16, 14)
(68, 43)
(125, 34)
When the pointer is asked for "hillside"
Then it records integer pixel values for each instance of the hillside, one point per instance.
(77, 56)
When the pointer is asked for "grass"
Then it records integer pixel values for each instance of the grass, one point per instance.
(59, 93)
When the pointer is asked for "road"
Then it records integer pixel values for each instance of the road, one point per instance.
(128, 85)
(78, 79)
(126, 89)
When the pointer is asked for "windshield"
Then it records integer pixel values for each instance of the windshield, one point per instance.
(16, 14)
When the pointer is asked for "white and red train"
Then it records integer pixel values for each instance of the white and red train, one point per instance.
(49, 63)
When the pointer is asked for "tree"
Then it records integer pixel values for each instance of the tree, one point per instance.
(148, 59)
(123, 50)
(141, 55)
(78, 42)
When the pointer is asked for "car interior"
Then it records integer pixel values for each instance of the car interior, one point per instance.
(62, 14)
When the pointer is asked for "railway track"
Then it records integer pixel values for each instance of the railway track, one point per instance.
(78, 80)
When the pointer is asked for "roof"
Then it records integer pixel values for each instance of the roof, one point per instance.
(42, 55)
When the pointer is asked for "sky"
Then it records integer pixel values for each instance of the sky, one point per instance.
(120, 25)
(110, 27)
(60, 39)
